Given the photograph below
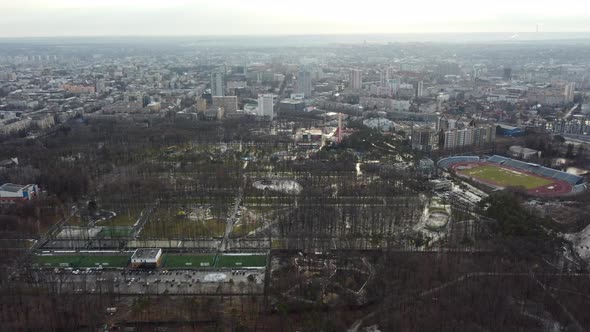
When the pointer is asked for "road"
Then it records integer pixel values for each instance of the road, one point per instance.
(570, 111)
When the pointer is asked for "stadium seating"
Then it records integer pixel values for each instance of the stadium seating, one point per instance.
(446, 162)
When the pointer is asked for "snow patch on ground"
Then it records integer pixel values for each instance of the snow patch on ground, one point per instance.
(215, 277)
(581, 243)
(285, 186)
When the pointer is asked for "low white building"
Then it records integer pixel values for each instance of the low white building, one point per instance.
(12, 192)
(523, 153)
(146, 257)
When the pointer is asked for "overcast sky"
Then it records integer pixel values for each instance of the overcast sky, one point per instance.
(35, 18)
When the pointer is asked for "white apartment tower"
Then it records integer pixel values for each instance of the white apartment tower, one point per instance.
(266, 105)
(420, 90)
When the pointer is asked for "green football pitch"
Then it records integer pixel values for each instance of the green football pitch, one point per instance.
(78, 261)
(187, 261)
(171, 261)
(241, 261)
(505, 177)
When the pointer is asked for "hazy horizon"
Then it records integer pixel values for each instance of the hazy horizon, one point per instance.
(111, 18)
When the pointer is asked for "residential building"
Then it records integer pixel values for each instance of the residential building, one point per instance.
(424, 138)
(217, 84)
(420, 89)
(229, 103)
(356, 79)
(304, 83)
(266, 105)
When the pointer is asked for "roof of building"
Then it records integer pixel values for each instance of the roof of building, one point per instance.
(507, 127)
(11, 187)
(146, 253)
(520, 149)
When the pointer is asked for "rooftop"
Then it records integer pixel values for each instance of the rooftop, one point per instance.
(11, 187)
(147, 253)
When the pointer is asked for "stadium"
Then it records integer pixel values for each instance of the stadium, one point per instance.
(497, 172)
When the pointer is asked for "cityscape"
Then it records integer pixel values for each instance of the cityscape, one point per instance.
(308, 182)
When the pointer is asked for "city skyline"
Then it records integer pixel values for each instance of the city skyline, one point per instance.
(35, 18)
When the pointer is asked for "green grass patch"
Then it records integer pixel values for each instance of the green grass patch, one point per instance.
(505, 177)
(241, 261)
(182, 227)
(81, 261)
(188, 261)
(122, 219)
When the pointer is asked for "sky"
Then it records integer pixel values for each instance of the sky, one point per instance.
(46, 18)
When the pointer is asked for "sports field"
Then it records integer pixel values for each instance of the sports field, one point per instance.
(170, 261)
(77, 261)
(241, 261)
(187, 261)
(505, 177)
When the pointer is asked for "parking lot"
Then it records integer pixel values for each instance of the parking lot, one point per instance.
(218, 281)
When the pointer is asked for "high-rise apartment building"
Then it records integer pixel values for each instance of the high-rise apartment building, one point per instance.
(229, 103)
(217, 84)
(569, 92)
(356, 79)
(420, 89)
(304, 83)
(266, 105)
(424, 138)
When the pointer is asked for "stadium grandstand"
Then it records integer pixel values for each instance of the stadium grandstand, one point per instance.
(446, 162)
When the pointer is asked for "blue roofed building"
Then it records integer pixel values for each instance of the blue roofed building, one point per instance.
(507, 130)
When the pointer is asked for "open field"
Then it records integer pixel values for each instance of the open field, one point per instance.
(172, 261)
(505, 177)
(123, 219)
(183, 228)
(188, 261)
(81, 260)
(241, 261)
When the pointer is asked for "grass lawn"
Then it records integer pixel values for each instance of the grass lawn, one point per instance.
(175, 227)
(505, 177)
(123, 218)
(241, 261)
(190, 261)
(76, 261)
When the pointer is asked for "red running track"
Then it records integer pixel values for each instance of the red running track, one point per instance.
(554, 189)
